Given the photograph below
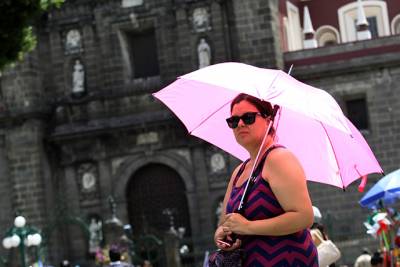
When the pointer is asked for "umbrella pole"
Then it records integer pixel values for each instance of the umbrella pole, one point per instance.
(255, 163)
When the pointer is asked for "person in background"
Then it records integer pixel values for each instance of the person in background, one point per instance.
(65, 263)
(318, 230)
(377, 259)
(147, 263)
(115, 258)
(364, 260)
(317, 227)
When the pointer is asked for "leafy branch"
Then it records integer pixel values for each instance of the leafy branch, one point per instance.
(16, 26)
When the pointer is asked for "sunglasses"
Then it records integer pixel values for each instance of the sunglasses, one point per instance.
(248, 118)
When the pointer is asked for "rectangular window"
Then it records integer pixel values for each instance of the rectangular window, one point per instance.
(373, 27)
(357, 112)
(143, 54)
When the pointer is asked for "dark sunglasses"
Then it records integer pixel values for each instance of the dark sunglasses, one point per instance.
(248, 118)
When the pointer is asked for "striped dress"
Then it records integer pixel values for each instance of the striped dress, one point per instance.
(296, 249)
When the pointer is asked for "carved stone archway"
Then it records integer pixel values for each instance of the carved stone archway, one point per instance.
(133, 164)
(156, 200)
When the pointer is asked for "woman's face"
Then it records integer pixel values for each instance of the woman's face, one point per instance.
(248, 135)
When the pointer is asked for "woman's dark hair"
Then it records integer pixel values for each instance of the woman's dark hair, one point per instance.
(65, 263)
(376, 258)
(321, 228)
(114, 254)
(264, 107)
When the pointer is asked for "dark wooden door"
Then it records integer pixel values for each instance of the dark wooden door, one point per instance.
(152, 190)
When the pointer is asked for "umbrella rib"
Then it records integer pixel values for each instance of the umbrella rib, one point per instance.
(194, 128)
(271, 85)
(334, 153)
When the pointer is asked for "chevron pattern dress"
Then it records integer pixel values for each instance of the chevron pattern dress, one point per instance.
(289, 250)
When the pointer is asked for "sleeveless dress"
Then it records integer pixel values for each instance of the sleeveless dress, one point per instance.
(295, 249)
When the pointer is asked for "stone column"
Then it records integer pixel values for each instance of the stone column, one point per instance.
(27, 160)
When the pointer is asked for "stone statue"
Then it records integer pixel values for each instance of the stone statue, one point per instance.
(113, 206)
(96, 235)
(204, 53)
(78, 78)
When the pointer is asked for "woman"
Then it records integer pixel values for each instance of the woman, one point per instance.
(278, 210)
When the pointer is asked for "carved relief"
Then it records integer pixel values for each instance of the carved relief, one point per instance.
(147, 138)
(217, 166)
(217, 163)
(87, 177)
(201, 19)
(131, 3)
(73, 42)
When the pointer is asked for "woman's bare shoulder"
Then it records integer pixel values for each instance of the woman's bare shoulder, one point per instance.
(282, 162)
(281, 154)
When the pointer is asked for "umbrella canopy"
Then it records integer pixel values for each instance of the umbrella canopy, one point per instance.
(386, 189)
(310, 122)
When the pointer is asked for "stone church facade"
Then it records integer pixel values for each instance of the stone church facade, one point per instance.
(79, 124)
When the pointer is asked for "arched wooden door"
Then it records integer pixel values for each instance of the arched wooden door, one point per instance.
(151, 191)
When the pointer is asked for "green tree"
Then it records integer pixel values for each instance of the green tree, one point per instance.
(17, 20)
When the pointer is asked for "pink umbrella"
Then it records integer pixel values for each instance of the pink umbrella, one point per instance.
(310, 123)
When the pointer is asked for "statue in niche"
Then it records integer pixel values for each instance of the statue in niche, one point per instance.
(73, 41)
(78, 78)
(201, 20)
(204, 53)
(96, 235)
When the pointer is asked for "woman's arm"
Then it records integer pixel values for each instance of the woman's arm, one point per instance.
(287, 180)
(220, 233)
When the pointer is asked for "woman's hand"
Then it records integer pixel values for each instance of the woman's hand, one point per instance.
(223, 240)
(236, 223)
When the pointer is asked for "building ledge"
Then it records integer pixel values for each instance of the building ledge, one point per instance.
(384, 50)
(98, 126)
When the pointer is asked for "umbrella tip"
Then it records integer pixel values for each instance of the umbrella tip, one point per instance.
(362, 184)
(290, 69)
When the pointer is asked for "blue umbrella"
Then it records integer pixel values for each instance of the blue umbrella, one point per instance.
(386, 189)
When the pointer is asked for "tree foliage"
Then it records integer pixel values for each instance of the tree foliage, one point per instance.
(17, 19)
